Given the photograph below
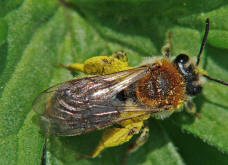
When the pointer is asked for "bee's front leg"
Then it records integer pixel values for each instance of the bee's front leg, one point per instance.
(191, 108)
(167, 48)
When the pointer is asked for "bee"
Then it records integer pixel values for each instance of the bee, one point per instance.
(121, 98)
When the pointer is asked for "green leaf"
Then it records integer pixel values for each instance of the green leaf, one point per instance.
(195, 151)
(37, 34)
(3, 29)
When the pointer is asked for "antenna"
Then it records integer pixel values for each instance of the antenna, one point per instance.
(201, 50)
(216, 80)
(204, 41)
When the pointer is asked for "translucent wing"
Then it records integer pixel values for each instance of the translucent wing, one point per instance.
(85, 104)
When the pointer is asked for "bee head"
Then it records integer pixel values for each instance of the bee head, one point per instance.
(187, 69)
(190, 71)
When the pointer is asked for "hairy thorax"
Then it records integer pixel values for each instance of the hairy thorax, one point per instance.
(164, 87)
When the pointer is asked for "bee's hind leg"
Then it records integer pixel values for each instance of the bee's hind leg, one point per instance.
(100, 65)
(116, 136)
(72, 67)
(120, 55)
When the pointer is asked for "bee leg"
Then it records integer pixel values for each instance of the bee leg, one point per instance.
(74, 66)
(166, 49)
(141, 140)
(191, 108)
(117, 126)
(120, 55)
(117, 136)
(101, 65)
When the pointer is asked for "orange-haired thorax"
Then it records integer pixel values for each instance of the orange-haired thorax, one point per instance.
(164, 87)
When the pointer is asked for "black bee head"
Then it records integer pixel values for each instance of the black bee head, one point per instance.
(187, 69)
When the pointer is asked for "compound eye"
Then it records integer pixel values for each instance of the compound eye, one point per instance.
(181, 58)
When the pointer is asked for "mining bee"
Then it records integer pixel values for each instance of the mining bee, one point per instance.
(121, 97)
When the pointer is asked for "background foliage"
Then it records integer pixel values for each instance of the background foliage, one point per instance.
(36, 34)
